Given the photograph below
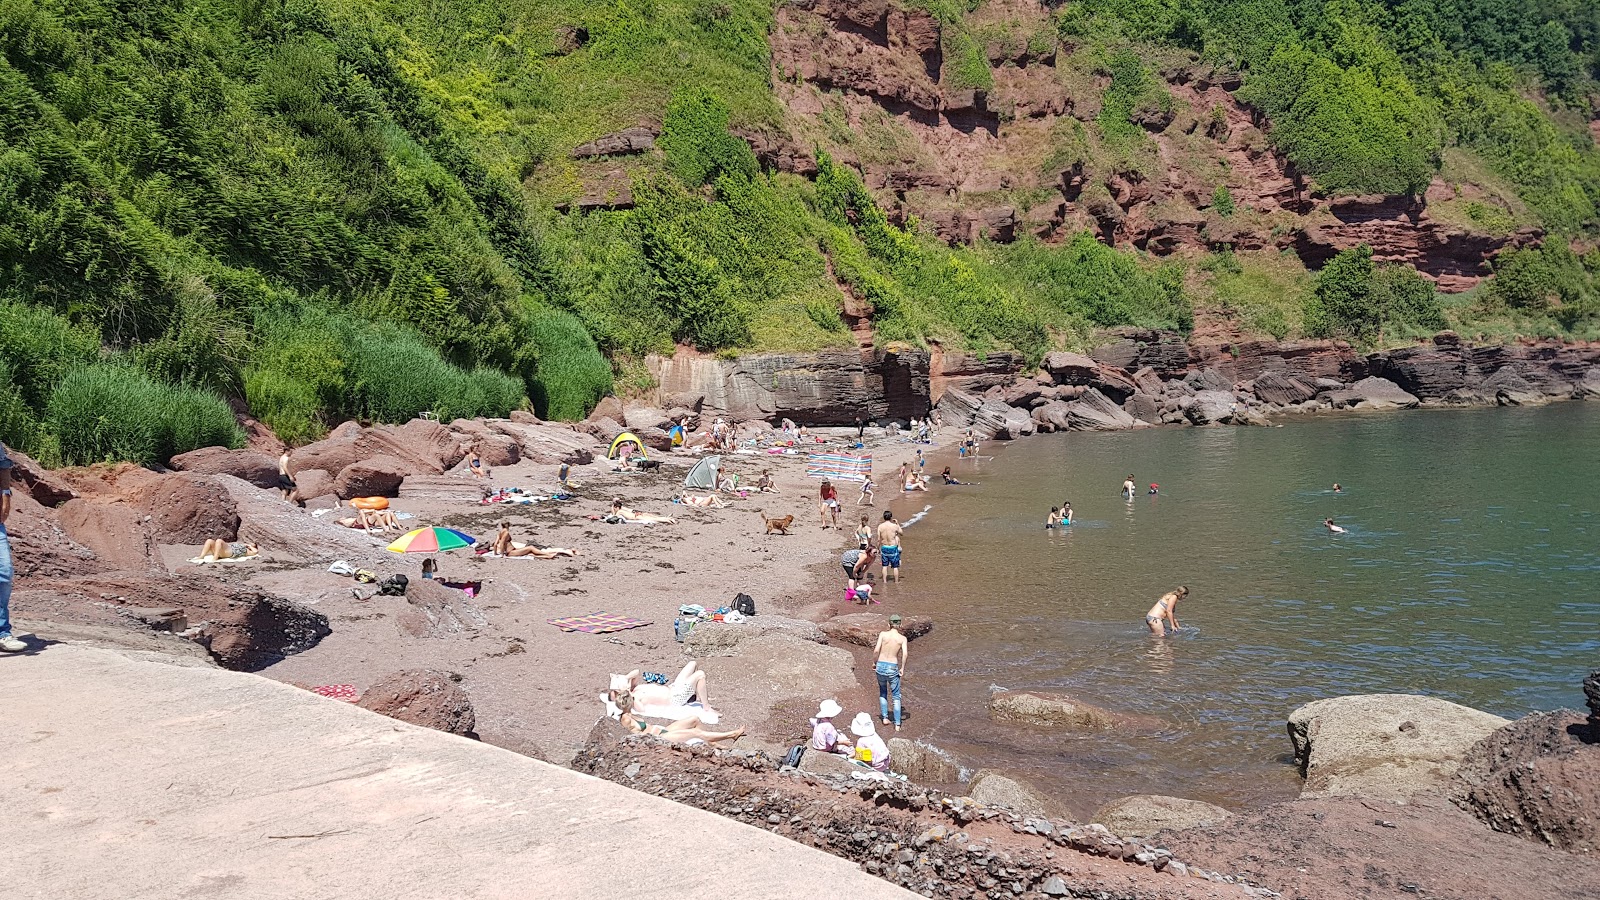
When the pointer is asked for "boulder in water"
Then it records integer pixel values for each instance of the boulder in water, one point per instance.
(863, 629)
(1060, 710)
(1383, 746)
(1211, 407)
(993, 789)
(1371, 393)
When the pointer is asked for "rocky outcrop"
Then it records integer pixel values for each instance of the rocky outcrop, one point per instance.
(721, 638)
(1094, 411)
(45, 487)
(993, 789)
(862, 629)
(1210, 407)
(923, 763)
(380, 476)
(1538, 777)
(990, 419)
(1060, 711)
(620, 143)
(827, 388)
(1077, 369)
(1371, 393)
(1383, 746)
(258, 630)
(1283, 390)
(1142, 815)
(427, 697)
(187, 509)
(257, 468)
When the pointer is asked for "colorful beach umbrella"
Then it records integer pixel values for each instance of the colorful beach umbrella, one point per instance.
(432, 540)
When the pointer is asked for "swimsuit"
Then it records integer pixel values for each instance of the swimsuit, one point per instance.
(890, 556)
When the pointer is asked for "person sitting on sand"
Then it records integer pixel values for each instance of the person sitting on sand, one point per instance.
(1165, 611)
(824, 736)
(949, 478)
(475, 465)
(632, 515)
(870, 748)
(652, 690)
(217, 548)
(916, 483)
(1332, 528)
(764, 483)
(689, 728)
(430, 568)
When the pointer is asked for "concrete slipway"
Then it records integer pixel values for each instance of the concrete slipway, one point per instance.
(127, 775)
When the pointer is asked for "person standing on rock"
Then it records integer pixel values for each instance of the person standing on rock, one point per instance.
(889, 545)
(1165, 611)
(7, 643)
(891, 651)
(285, 480)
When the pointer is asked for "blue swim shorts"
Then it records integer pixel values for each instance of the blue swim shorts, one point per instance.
(891, 557)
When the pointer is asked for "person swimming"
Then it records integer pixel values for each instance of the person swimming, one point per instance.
(1154, 488)
(1128, 487)
(1332, 528)
(1066, 513)
(1337, 489)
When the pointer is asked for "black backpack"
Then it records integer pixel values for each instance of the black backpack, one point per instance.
(744, 605)
(394, 586)
(796, 753)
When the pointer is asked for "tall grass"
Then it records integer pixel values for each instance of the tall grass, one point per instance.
(570, 376)
(112, 412)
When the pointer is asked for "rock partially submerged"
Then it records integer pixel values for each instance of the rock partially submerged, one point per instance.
(1060, 710)
(1371, 393)
(1383, 746)
(862, 629)
(1142, 815)
(923, 762)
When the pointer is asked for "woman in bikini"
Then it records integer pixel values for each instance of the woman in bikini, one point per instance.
(685, 729)
(217, 548)
(1165, 611)
(633, 515)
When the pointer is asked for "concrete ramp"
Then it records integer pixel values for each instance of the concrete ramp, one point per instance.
(129, 777)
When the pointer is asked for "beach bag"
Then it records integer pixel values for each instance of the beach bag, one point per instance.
(795, 754)
(744, 604)
(394, 586)
(863, 754)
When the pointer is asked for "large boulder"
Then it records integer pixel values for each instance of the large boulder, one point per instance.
(432, 610)
(498, 450)
(44, 486)
(258, 630)
(187, 509)
(1538, 777)
(1077, 369)
(419, 447)
(551, 444)
(1588, 387)
(1284, 390)
(257, 468)
(643, 417)
(1510, 389)
(310, 484)
(862, 629)
(1383, 746)
(991, 419)
(1430, 372)
(1095, 411)
(115, 533)
(923, 762)
(724, 638)
(1061, 711)
(1142, 815)
(377, 477)
(426, 697)
(993, 789)
(1143, 407)
(1211, 407)
(1371, 393)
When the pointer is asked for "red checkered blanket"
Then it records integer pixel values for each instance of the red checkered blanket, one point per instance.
(598, 623)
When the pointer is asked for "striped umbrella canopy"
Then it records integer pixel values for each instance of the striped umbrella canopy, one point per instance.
(432, 540)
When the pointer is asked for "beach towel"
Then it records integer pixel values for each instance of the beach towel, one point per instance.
(670, 713)
(598, 623)
(345, 692)
(208, 561)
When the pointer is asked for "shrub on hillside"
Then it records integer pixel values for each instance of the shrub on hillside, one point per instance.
(40, 347)
(1358, 301)
(113, 412)
(570, 375)
(696, 140)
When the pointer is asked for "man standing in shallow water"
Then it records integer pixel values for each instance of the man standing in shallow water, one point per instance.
(1128, 487)
(891, 653)
(889, 545)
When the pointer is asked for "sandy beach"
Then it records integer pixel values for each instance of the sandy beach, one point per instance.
(534, 688)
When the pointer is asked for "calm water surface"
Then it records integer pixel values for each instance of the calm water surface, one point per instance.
(1471, 572)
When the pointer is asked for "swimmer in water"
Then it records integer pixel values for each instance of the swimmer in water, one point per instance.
(1066, 513)
(1128, 487)
(1054, 517)
(1165, 612)
(1337, 489)
(948, 478)
(1154, 488)
(1332, 528)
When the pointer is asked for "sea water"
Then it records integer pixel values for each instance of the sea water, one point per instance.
(1470, 572)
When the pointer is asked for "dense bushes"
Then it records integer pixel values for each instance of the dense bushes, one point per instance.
(1550, 279)
(1356, 300)
(110, 411)
(571, 376)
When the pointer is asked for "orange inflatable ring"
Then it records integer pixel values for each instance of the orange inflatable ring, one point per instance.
(370, 503)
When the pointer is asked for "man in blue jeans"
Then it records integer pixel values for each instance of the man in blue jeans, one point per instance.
(891, 651)
(7, 643)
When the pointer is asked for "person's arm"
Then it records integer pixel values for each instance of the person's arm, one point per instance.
(905, 651)
(1172, 615)
(5, 494)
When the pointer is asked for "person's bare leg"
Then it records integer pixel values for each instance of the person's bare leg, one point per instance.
(214, 548)
(702, 734)
(1155, 627)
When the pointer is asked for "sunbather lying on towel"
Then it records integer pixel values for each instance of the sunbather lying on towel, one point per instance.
(217, 548)
(635, 516)
(686, 729)
(713, 502)
(370, 519)
(504, 546)
(688, 686)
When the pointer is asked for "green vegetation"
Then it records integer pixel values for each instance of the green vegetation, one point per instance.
(1359, 301)
(108, 412)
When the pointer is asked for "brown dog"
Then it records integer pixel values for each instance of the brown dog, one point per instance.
(781, 526)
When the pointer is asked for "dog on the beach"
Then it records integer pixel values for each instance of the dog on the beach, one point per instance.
(781, 526)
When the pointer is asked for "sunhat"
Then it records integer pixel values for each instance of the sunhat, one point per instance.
(861, 725)
(828, 709)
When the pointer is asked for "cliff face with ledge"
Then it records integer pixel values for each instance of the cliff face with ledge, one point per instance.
(871, 82)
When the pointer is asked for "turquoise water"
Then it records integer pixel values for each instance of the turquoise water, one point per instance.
(1471, 571)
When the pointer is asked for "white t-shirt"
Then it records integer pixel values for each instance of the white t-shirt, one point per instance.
(880, 751)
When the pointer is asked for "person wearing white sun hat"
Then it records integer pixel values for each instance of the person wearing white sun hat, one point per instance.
(876, 751)
(824, 736)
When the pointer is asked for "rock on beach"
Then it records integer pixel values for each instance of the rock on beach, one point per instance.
(1142, 815)
(862, 629)
(1383, 746)
(1060, 710)
(426, 697)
